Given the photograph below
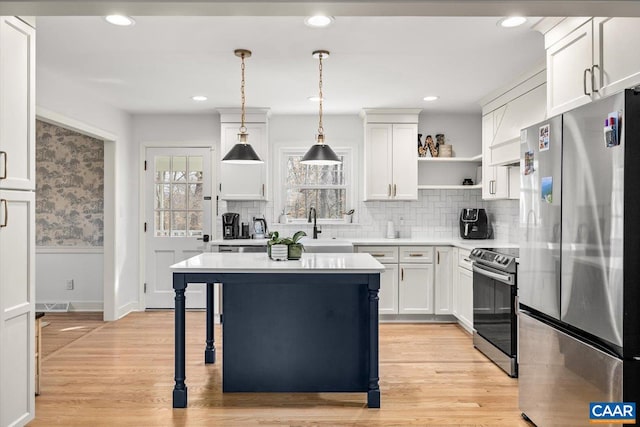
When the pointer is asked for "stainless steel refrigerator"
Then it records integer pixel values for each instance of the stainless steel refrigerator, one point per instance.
(579, 272)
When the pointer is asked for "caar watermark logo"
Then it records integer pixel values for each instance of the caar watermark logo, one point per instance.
(608, 412)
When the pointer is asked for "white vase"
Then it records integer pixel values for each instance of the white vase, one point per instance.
(278, 252)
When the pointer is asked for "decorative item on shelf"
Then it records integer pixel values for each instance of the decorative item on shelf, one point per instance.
(242, 152)
(467, 181)
(444, 150)
(320, 153)
(422, 149)
(284, 248)
(433, 149)
(283, 219)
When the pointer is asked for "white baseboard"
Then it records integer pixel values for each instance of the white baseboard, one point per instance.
(126, 309)
(86, 306)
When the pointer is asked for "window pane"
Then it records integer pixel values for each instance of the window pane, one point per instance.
(296, 172)
(162, 168)
(162, 196)
(179, 224)
(195, 223)
(195, 196)
(329, 203)
(162, 223)
(195, 168)
(179, 196)
(330, 175)
(179, 168)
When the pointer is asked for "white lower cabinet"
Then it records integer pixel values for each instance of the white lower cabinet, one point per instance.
(407, 284)
(444, 272)
(463, 290)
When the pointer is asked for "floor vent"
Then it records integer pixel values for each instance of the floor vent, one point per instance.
(58, 307)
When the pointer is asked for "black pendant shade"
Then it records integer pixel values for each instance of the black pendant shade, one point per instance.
(242, 154)
(320, 154)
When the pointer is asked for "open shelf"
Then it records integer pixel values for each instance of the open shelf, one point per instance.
(450, 187)
(474, 159)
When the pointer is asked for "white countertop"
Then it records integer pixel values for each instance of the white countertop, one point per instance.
(381, 241)
(211, 262)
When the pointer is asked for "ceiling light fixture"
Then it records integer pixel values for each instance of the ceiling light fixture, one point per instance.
(318, 21)
(320, 153)
(120, 20)
(242, 153)
(199, 98)
(430, 98)
(512, 21)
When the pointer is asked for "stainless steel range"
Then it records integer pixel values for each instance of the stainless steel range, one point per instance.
(494, 305)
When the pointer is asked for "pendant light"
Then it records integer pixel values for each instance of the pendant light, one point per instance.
(320, 153)
(242, 153)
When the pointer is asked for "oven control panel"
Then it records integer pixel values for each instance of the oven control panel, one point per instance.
(505, 260)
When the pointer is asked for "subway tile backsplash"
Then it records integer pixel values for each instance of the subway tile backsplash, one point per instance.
(434, 215)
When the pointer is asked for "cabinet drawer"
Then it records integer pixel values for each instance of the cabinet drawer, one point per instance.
(463, 259)
(384, 254)
(416, 254)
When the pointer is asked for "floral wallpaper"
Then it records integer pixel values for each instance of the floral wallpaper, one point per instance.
(69, 187)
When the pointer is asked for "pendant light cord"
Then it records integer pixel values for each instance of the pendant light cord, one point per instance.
(243, 129)
(320, 128)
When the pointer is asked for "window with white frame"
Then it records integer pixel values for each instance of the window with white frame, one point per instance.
(326, 188)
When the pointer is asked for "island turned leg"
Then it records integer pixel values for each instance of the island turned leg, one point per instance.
(373, 394)
(210, 350)
(180, 388)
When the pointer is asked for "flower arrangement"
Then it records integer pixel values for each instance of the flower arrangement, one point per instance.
(293, 245)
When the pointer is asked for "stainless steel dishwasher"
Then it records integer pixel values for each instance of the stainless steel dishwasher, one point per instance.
(242, 248)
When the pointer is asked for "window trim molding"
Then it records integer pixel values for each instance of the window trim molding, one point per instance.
(350, 183)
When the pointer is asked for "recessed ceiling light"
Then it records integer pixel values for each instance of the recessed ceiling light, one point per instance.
(318, 21)
(314, 98)
(512, 21)
(199, 98)
(120, 20)
(430, 98)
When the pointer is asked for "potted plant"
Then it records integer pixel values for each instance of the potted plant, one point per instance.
(283, 248)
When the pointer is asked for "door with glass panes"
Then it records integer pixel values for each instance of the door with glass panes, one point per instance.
(178, 215)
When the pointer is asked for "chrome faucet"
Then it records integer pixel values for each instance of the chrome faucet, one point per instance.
(315, 226)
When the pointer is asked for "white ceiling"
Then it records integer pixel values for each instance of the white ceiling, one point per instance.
(159, 63)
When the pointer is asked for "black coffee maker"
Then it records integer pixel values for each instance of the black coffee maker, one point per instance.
(474, 224)
(230, 226)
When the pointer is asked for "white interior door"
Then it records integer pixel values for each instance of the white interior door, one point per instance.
(178, 215)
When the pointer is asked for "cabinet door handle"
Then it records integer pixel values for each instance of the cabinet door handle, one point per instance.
(4, 168)
(593, 77)
(395, 190)
(438, 261)
(378, 255)
(262, 190)
(584, 81)
(389, 191)
(6, 212)
(416, 254)
(402, 274)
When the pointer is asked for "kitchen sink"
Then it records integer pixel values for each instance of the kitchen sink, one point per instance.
(326, 245)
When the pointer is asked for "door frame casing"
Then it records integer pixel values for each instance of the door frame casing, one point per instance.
(144, 145)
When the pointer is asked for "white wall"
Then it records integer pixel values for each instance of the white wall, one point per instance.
(58, 94)
(84, 266)
(462, 131)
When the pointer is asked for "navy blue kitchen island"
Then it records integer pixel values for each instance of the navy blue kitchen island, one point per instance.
(287, 326)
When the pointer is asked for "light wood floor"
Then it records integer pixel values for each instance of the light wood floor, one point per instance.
(121, 373)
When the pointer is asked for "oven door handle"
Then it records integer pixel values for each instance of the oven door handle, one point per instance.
(506, 278)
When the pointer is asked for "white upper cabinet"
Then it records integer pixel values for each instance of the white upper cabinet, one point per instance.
(616, 68)
(244, 182)
(391, 160)
(590, 58)
(17, 105)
